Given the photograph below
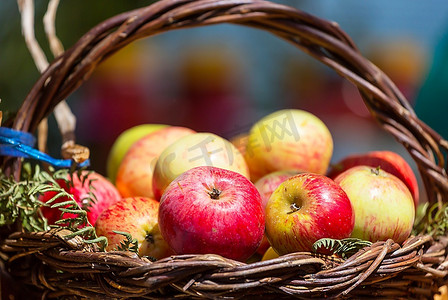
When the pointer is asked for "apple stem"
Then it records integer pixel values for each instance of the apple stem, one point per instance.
(376, 170)
(294, 207)
(214, 194)
(149, 238)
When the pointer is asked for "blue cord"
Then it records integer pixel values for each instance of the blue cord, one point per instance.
(21, 144)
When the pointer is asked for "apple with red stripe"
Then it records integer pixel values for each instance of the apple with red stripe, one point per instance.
(288, 139)
(384, 207)
(388, 161)
(92, 191)
(266, 185)
(212, 210)
(137, 216)
(304, 209)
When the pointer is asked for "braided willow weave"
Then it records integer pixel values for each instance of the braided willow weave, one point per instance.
(384, 269)
(59, 267)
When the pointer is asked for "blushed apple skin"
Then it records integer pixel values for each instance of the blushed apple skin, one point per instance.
(389, 161)
(122, 144)
(288, 139)
(266, 185)
(384, 207)
(198, 149)
(105, 195)
(139, 217)
(134, 176)
(193, 223)
(240, 142)
(325, 212)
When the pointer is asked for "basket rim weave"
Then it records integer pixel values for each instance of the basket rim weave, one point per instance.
(390, 270)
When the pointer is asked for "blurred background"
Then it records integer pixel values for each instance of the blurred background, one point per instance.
(223, 78)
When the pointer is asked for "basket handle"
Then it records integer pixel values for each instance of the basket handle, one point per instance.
(321, 39)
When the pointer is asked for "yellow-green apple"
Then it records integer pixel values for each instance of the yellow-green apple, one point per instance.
(137, 216)
(266, 185)
(212, 210)
(122, 144)
(305, 208)
(383, 205)
(198, 149)
(288, 139)
(388, 161)
(92, 191)
(134, 176)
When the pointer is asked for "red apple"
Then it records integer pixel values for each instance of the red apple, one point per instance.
(384, 208)
(134, 176)
(105, 194)
(389, 161)
(304, 209)
(288, 139)
(266, 185)
(212, 210)
(137, 216)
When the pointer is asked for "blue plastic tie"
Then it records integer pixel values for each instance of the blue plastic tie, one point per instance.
(21, 144)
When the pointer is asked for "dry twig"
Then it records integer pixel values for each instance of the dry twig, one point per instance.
(64, 117)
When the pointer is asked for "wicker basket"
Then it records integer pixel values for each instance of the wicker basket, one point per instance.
(55, 267)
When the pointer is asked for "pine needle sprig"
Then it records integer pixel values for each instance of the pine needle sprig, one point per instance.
(20, 204)
(431, 219)
(127, 244)
(19, 200)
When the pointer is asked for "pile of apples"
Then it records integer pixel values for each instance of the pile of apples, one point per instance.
(177, 191)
